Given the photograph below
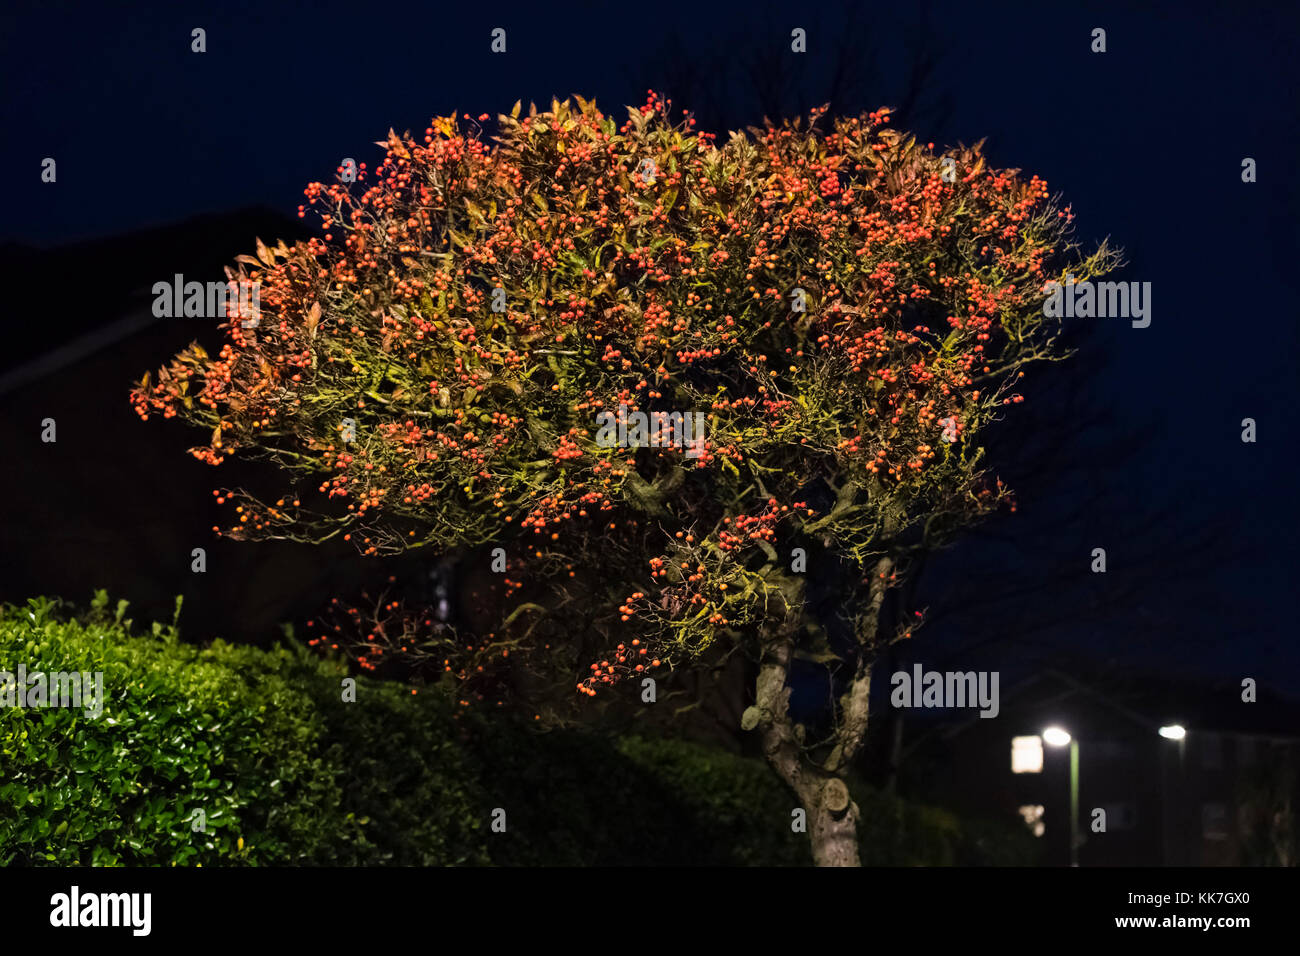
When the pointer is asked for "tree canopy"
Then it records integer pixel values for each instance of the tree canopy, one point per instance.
(846, 308)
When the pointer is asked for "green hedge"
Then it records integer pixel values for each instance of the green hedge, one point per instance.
(259, 741)
(285, 772)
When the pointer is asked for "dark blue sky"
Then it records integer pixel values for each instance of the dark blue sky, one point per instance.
(1145, 140)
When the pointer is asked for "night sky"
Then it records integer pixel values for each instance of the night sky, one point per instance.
(1145, 141)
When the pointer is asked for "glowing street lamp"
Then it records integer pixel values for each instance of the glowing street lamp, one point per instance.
(1056, 737)
(1179, 733)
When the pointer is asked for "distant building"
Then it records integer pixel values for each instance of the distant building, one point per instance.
(1225, 794)
(114, 502)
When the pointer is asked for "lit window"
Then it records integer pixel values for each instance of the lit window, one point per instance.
(1033, 815)
(1027, 754)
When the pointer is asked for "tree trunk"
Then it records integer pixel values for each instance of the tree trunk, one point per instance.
(833, 826)
(832, 816)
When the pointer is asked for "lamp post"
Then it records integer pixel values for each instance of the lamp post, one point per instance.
(1056, 737)
(1179, 733)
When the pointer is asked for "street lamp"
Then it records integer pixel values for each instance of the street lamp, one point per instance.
(1056, 737)
(1179, 733)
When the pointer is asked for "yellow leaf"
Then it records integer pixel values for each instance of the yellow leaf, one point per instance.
(396, 146)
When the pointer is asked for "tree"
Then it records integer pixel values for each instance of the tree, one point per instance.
(503, 350)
